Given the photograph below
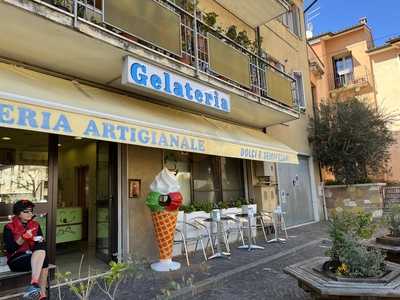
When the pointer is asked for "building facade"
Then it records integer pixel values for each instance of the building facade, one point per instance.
(385, 61)
(97, 97)
(347, 64)
(348, 71)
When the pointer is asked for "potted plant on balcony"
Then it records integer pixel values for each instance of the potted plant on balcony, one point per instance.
(210, 18)
(65, 5)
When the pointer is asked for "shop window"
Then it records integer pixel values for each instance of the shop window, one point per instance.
(205, 179)
(23, 166)
(179, 162)
(206, 183)
(232, 179)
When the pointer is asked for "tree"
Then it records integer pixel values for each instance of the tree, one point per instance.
(351, 139)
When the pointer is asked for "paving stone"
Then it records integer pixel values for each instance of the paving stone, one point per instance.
(243, 276)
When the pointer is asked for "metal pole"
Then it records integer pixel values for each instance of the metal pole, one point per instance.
(195, 34)
(75, 13)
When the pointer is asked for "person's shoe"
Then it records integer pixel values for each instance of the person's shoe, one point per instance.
(32, 292)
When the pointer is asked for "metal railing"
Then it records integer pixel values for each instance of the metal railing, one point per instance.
(194, 46)
(350, 79)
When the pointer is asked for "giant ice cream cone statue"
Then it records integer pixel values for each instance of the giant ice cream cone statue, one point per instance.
(164, 201)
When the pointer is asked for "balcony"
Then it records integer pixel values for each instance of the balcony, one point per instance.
(349, 82)
(82, 34)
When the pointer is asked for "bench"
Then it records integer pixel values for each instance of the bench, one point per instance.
(18, 279)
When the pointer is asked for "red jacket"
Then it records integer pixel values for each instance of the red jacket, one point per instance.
(18, 229)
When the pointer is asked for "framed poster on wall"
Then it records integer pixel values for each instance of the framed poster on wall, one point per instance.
(134, 187)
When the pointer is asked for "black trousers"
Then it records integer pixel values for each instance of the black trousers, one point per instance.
(21, 262)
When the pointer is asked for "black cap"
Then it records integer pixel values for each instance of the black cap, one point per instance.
(21, 205)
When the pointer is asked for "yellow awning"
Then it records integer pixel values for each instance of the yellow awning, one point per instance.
(35, 101)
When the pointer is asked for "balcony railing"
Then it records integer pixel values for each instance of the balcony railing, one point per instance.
(204, 48)
(350, 80)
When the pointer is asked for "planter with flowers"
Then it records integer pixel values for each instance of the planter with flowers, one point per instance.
(349, 264)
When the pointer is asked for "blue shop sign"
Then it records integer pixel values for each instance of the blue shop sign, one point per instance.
(145, 75)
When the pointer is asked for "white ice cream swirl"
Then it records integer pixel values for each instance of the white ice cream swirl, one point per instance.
(165, 183)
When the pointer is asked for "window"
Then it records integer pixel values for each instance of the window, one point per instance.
(206, 179)
(292, 20)
(23, 166)
(180, 163)
(343, 70)
(232, 179)
(300, 101)
(206, 183)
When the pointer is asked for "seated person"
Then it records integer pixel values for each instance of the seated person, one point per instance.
(26, 250)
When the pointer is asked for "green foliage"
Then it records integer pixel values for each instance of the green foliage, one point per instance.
(393, 220)
(232, 32)
(209, 206)
(108, 284)
(360, 261)
(210, 18)
(187, 5)
(174, 286)
(197, 206)
(81, 288)
(351, 139)
(243, 39)
(348, 256)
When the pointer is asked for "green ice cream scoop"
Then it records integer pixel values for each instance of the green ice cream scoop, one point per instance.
(153, 202)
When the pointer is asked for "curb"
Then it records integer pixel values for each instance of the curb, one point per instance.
(214, 281)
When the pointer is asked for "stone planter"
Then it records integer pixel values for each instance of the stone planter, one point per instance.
(354, 198)
(389, 244)
(325, 285)
(388, 240)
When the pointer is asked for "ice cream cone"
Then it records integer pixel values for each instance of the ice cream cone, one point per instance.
(164, 226)
(164, 201)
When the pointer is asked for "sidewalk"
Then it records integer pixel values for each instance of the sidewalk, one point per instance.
(256, 275)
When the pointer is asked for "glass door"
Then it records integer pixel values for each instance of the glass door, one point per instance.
(106, 201)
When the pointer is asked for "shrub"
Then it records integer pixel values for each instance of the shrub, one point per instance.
(348, 256)
(360, 261)
(351, 139)
(393, 220)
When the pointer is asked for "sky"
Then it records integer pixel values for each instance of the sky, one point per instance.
(383, 16)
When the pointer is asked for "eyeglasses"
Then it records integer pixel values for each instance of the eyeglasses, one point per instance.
(28, 211)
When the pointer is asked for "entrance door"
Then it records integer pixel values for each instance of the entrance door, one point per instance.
(106, 201)
(295, 192)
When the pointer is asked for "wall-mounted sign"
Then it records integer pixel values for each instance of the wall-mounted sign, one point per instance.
(134, 188)
(38, 118)
(139, 73)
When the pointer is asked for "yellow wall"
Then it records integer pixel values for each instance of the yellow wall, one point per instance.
(225, 18)
(291, 51)
(394, 164)
(386, 68)
(144, 164)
